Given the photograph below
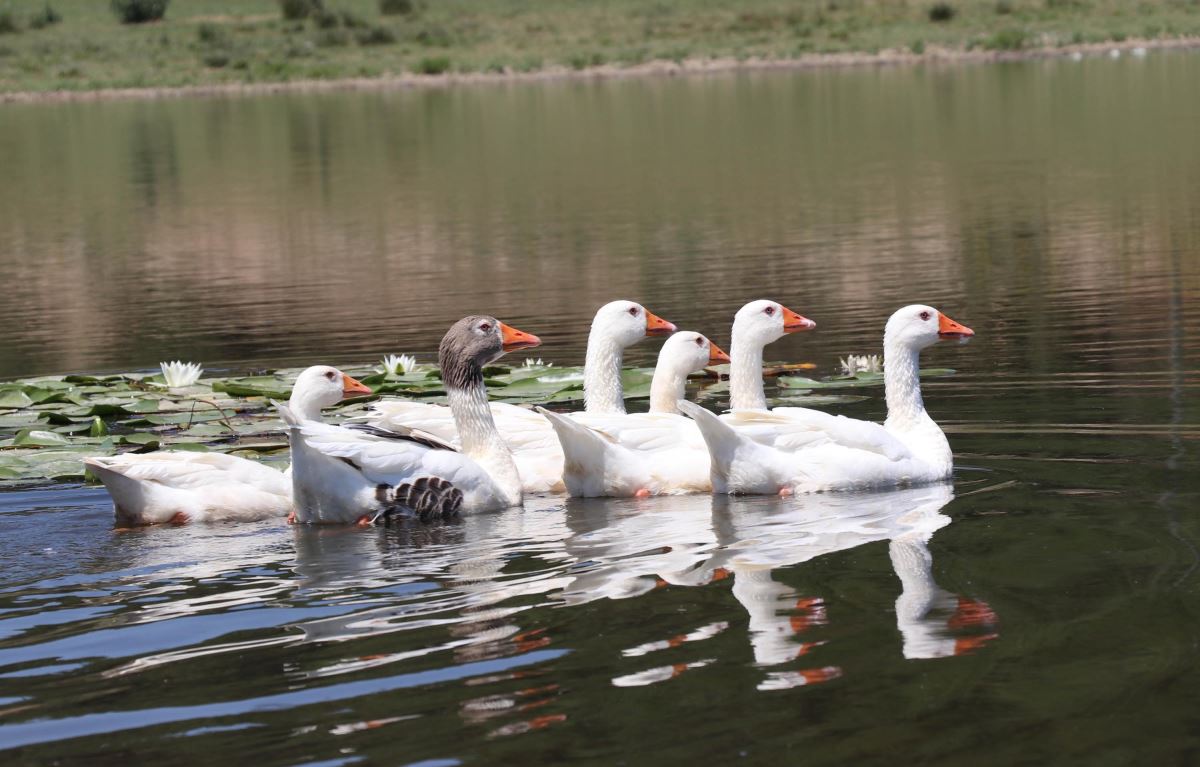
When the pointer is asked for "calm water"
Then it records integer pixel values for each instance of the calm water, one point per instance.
(1045, 608)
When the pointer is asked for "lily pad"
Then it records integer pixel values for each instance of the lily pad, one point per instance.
(258, 386)
(139, 438)
(37, 438)
(14, 398)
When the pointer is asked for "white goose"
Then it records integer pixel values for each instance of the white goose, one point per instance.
(343, 475)
(181, 486)
(642, 454)
(535, 449)
(842, 453)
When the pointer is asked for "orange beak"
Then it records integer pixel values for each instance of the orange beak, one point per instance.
(514, 339)
(715, 355)
(657, 326)
(794, 323)
(948, 328)
(352, 387)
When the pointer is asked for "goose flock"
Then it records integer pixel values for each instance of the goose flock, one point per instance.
(432, 462)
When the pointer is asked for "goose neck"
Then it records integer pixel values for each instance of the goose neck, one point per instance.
(667, 387)
(902, 384)
(481, 440)
(305, 406)
(746, 374)
(602, 390)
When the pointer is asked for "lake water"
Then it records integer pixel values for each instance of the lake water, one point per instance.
(1046, 608)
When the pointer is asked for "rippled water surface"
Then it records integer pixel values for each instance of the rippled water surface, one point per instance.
(1046, 607)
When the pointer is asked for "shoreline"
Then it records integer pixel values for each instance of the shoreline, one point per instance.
(658, 67)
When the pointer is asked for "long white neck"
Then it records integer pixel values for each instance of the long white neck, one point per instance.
(906, 417)
(902, 384)
(668, 386)
(745, 373)
(602, 391)
(481, 439)
(305, 405)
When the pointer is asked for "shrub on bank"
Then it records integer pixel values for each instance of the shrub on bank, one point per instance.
(211, 34)
(8, 23)
(44, 18)
(434, 65)
(139, 11)
(939, 12)
(396, 7)
(298, 10)
(376, 35)
(1013, 39)
(351, 20)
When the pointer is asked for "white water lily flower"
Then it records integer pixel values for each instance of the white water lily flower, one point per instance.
(179, 374)
(399, 364)
(864, 363)
(530, 362)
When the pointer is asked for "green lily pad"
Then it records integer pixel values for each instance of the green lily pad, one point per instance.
(208, 430)
(803, 399)
(191, 447)
(859, 379)
(36, 438)
(258, 386)
(14, 398)
(139, 438)
(178, 418)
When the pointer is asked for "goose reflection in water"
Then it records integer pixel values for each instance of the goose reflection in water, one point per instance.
(623, 553)
(412, 577)
(755, 541)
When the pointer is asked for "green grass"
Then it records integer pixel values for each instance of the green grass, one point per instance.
(231, 41)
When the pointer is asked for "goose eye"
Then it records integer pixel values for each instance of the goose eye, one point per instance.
(925, 316)
(485, 327)
(769, 311)
(633, 311)
(699, 341)
(330, 375)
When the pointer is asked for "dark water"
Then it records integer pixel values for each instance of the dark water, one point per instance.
(1044, 609)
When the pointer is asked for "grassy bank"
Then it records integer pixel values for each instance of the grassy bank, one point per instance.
(80, 45)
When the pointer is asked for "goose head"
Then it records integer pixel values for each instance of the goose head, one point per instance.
(627, 322)
(475, 341)
(919, 326)
(689, 351)
(763, 321)
(320, 387)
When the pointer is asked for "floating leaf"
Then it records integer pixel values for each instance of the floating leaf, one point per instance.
(58, 419)
(138, 438)
(803, 399)
(14, 398)
(178, 418)
(102, 409)
(72, 428)
(97, 428)
(259, 386)
(208, 430)
(191, 447)
(36, 438)
(861, 378)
